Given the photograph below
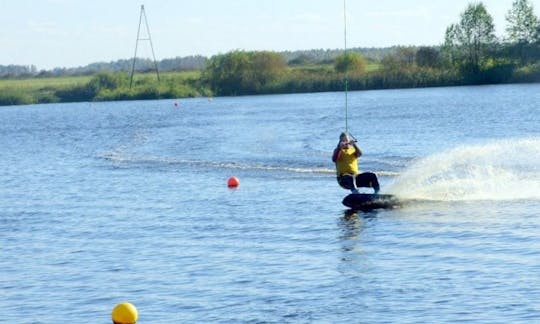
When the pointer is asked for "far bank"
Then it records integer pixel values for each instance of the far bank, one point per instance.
(300, 79)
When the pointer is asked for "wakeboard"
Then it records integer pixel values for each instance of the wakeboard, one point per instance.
(365, 201)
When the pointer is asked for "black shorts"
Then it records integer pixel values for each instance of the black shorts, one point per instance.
(365, 180)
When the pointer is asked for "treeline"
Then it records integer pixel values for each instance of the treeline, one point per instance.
(470, 54)
(187, 63)
(7, 71)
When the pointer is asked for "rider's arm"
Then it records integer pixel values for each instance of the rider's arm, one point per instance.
(358, 152)
(337, 153)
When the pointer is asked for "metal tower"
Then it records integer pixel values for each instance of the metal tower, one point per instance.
(143, 14)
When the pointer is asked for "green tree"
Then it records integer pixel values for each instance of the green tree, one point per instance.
(450, 50)
(350, 62)
(240, 72)
(402, 58)
(427, 57)
(225, 72)
(469, 40)
(266, 67)
(522, 22)
(522, 32)
(406, 55)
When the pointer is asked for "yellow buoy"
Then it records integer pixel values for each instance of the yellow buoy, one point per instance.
(124, 313)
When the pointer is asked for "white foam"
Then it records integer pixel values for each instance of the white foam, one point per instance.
(501, 170)
(119, 157)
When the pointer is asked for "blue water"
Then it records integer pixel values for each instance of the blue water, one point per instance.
(108, 202)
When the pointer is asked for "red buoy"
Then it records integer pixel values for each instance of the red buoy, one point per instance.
(233, 182)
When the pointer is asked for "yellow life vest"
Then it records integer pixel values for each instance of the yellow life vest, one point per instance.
(347, 162)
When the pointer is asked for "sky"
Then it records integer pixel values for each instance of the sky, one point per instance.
(71, 33)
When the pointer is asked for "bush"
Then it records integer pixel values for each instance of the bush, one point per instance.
(241, 73)
(107, 80)
(351, 63)
(15, 98)
(76, 93)
(528, 73)
(47, 97)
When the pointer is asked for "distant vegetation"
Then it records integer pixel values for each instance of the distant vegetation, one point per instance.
(470, 54)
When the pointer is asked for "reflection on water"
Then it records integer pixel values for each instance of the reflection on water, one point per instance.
(351, 226)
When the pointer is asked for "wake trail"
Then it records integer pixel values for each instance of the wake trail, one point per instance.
(500, 170)
(118, 157)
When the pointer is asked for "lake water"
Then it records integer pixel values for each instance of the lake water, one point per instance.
(128, 201)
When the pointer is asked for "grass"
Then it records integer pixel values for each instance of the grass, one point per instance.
(181, 76)
(329, 68)
(31, 90)
(36, 83)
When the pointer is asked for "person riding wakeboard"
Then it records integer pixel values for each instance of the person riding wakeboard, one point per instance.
(345, 157)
